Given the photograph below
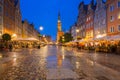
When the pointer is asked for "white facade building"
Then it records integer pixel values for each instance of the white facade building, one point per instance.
(100, 27)
(73, 32)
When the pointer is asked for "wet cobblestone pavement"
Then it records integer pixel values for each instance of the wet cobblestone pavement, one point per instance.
(58, 63)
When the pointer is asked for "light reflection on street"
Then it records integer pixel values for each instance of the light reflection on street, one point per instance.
(14, 62)
(63, 53)
(77, 65)
(59, 60)
(0, 56)
(55, 63)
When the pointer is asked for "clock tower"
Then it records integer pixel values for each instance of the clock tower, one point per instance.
(59, 29)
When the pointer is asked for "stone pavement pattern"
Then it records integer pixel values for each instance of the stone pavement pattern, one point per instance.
(58, 63)
(30, 66)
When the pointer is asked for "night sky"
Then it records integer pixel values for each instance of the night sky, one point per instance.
(45, 13)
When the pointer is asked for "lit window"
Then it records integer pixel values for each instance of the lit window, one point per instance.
(119, 15)
(89, 18)
(112, 29)
(111, 18)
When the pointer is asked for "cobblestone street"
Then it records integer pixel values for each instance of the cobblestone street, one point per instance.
(58, 63)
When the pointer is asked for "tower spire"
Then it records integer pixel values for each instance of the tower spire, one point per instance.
(92, 2)
(58, 16)
(59, 22)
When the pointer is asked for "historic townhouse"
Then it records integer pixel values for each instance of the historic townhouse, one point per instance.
(100, 20)
(11, 21)
(113, 17)
(28, 30)
(18, 19)
(8, 17)
(74, 32)
(25, 26)
(35, 34)
(90, 20)
(1, 17)
(81, 22)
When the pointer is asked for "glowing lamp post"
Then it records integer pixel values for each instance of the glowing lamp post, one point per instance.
(41, 29)
(77, 31)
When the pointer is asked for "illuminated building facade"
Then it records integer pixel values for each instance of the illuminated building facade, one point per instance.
(28, 30)
(81, 20)
(18, 19)
(90, 20)
(11, 21)
(8, 17)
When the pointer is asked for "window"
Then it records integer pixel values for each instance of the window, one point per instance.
(118, 4)
(103, 21)
(118, 27)
(111, 18)
(111, 8)
(87, 19)
(112, 29)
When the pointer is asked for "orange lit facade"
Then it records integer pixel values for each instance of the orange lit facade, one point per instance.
(8, 17)
(18, 19)
(11, 21)
(28, 30)
(113, 17)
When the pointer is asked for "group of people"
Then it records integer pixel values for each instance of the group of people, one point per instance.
(7, 46)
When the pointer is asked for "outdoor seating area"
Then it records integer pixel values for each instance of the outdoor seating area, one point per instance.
(105, 46)
(6, 46)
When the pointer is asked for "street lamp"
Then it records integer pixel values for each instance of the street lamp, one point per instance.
(77, 30)
(41, 28)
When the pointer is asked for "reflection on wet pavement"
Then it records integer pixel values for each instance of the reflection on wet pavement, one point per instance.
(58, 63)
